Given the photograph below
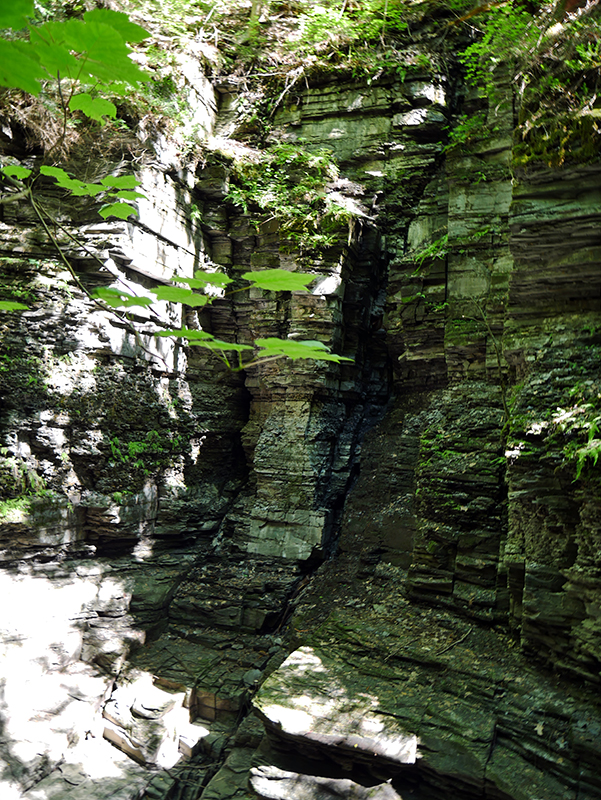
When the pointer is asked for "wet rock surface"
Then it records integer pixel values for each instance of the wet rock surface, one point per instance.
(487, 722)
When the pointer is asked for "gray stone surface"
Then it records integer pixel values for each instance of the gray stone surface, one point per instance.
(272, 783)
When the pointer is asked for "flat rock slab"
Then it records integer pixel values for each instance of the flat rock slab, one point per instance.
(408, 698)
(271, 783)
(310, 699)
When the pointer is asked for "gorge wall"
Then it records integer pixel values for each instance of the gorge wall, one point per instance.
(373, 579)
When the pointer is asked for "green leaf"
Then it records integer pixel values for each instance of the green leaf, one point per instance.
(118, 88)
(19, 67)
(14, 13)
(120, 181)
(10, 305)
(101, 52)
(126, 194)
(93, 107)
(204, 279)
(119, 210)
(204, 339)
(54, 55)
(56, 172)
(117, 298)
(106, 55)
(218, 344)
(297, 349)
(279, 280)
(174, 294)
(186, 333)
(16, 172)
(78, 188)
(129, 31)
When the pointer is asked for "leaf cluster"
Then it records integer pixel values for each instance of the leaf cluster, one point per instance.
(436, 249)
(364, 39)
(92, 53)
(468, 129)
(113, 189)
(507, 33)
(147, 453)
(556, 67)
(289, 184)
(88, 51)
(332, 26)
(581, 420)
(560, 115)
(276, 280)
(573, 428)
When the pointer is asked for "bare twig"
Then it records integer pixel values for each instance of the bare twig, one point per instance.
(39, 212)
(295, 74)
(10, 198)
(457, 641)
(498, 356)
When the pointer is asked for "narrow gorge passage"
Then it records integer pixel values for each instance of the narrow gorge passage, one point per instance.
(374, 578)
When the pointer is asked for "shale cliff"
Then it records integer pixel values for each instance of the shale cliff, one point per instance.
(373, 579)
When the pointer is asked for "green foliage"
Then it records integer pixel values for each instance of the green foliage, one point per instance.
(84, 50)
(173, 294)
(118, 298)
(180, 19)
(322, 27)
(146, 454)
(276, 280)
(468, 129)
(365, 39)
(571, 428)
(13, 171)
(204, 279)
(437, 249)
(73, 53)
(14, 509)
(581, 419)
(114, 189)
(289, 183)
(18, 485)
(336, 27)
(89, 56)
(556, 67)
(274, 348)
(93, 107)
(78, 188)
(587, 56)
(22, 375)
(508, 32)
(560, 118)
(592, 449)
(368, 40)
(15, 14)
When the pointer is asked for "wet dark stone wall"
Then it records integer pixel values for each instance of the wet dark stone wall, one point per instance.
(377, 579)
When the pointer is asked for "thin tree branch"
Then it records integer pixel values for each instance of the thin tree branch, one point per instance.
(10, 198)
(296, 73)
(39, 212)
(499, 362)
(457, 641)
(99, 261)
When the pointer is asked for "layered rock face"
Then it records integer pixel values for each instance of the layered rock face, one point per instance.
(395, 559)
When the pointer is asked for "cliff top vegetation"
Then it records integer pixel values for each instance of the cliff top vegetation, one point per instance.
(77, 76)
